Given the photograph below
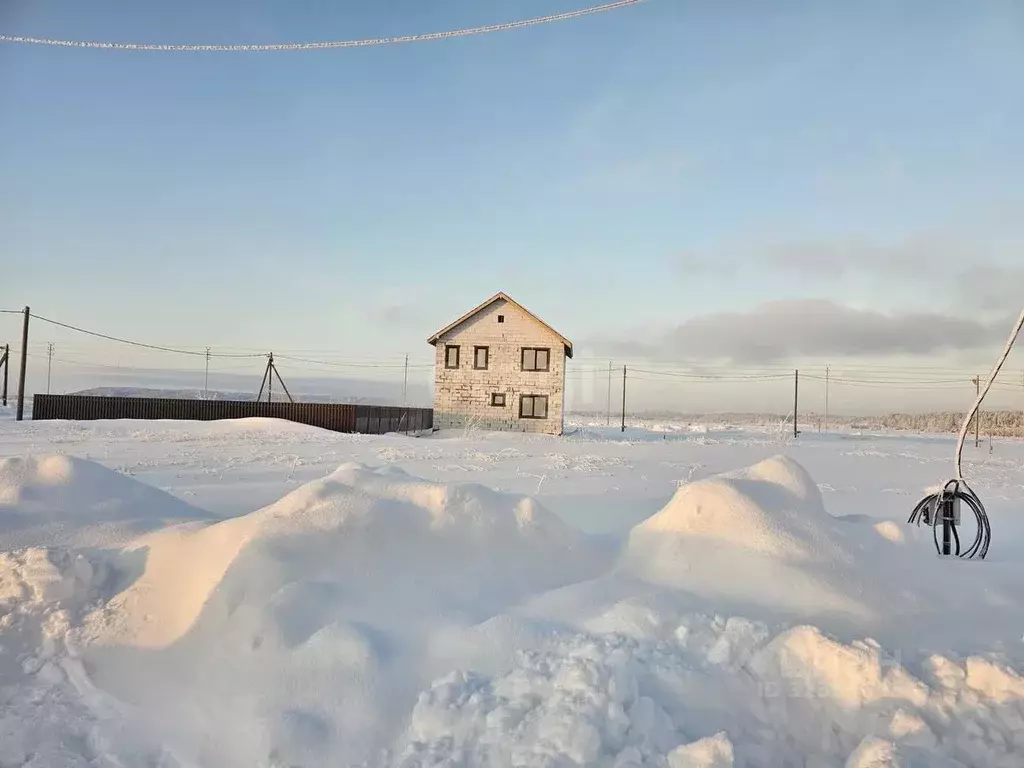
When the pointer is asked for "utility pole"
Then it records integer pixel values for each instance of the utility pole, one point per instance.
(826, 397)
(623, 398)
(206, 380)
(5, 362)
(608, 420)
(977, 416)
(20, 415)
(796, 400)
(49, 364)
(405, 384)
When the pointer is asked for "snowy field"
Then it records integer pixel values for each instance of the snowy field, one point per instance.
(259, 593)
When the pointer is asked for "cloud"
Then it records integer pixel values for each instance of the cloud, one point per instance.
(992, 286)
(982, 270)
(809, 328)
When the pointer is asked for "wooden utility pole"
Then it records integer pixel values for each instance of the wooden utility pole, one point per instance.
(5, 364)
(623, 398)
(826, 397)
(405, 384)
(608, 419)
(268, 381)
(796, 401)
(49, 364)
(20, 415)
(977, 415)
(206, 379)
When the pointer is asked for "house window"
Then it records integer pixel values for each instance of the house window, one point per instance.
(451, 356)
(480, 358)
(533, 407)
(498, 399)
(501, 318)
(535, 359)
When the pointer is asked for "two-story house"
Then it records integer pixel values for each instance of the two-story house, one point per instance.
(500, 367)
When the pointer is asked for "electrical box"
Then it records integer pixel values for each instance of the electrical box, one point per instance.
(948, 508)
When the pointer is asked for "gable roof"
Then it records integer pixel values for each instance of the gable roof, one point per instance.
(500, 297)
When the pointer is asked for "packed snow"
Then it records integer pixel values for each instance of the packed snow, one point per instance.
(258, 593)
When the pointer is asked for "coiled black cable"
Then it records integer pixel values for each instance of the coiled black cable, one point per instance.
(932, 509)
(929, 510)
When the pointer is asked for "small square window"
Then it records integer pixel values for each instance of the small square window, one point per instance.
(480, 356)
(501, 318)
(498, 399)
(451, 356)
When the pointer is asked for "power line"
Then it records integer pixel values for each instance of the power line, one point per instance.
(350, 365)
(713, 376)
(133, 343)
(768, 368)
(364, 43)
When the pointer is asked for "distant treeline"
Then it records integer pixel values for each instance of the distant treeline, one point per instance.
(997, 423)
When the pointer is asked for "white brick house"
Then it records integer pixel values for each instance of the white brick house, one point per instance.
(500, 367)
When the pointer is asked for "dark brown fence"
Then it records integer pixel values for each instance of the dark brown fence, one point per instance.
(364, 419)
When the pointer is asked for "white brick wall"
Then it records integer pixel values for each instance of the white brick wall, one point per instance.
(462, 397)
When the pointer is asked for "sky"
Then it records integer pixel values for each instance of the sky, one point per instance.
(731, 185)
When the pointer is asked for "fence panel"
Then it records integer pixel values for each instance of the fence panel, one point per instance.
(337, 417)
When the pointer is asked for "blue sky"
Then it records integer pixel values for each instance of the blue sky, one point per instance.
(638, 173)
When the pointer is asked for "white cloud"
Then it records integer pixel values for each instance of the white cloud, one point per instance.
(809, 328)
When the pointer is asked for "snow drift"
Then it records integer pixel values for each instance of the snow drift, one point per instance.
(758, 535)
(717, 692)
(372, 618)
(59, 500)
(324, 604)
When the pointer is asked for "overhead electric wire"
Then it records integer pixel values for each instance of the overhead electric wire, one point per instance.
(306, 46)
(350, 365)
(714, 376)
(137, 343)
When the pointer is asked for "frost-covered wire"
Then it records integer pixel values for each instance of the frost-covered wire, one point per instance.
(327, 44)
(713, 376)
(965, 427)
(932, 508)
(138, 343)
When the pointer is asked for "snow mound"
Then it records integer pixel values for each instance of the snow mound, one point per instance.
(745, 509)
(326, 603)
(40, 590)
(50, 713)
(372, 531)
(798, 698)
(59, 500)
(759, 534)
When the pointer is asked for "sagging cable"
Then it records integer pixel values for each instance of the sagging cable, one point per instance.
(943, 509)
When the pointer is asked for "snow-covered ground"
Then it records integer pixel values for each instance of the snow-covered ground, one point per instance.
(258, 593)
